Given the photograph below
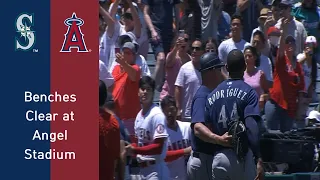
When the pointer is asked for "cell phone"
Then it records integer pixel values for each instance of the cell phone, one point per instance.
(181, 33)
(116, 50)
(269, 13)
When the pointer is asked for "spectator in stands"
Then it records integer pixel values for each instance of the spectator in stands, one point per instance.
(211, 45)
(109, 138)
(126, 85)
(308, 13)
(188, 81)
(288, 81)
(259, 42)
(179, 144)
(253, 76)
(159, 19)
(262, 20)
(108, 38)
(275, 12)
(273, 39)
(105, 75)
(177, 57)
(224, 22)
(235, 42)
(209, 18)
(296, 28)
(309, 65)
(249, 10)
(140, 60)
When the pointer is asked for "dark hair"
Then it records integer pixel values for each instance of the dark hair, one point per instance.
(254, 53)
(167, 100)
(203, 44)
(147, 80)
(261, 35)
(213, 41)
(102, 93)
(237, 16)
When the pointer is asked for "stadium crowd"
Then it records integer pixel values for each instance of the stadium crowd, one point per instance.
(191, 41)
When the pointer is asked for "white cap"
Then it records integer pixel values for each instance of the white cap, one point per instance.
(314, 115)
(311, 39)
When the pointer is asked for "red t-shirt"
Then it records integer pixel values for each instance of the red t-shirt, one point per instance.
(109, 145)
(125, 93)
(287, 82)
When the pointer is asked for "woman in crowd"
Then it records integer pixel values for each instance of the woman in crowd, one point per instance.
(175, 59)
(259, 42)
(288, 81)
(211, 45)
(253, 76)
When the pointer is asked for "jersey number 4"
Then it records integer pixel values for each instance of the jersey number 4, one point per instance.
(223, 116)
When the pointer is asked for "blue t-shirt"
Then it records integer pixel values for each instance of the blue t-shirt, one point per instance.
(231, 100)
(161, 12)
(198, 116)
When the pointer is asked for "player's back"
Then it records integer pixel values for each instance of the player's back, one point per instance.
(230, 101)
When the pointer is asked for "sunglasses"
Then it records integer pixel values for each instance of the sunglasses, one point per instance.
(196, 48)
(127, 16)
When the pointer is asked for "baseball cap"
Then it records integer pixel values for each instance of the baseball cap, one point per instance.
(235, 61)
(273, 31)
(128, 35)
(130, 46)
(210, 60)
(312, 40)
(314, 115)
(264, 13)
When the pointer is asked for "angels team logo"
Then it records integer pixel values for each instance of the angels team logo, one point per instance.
(74, 37)
(27, 37)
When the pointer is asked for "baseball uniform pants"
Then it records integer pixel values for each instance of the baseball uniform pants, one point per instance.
(199, 166)
(157, 171)
(225, 166)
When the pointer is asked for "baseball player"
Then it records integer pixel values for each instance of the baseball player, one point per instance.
(151, 132)
(178, 140)
(235, 101)
(202, 139)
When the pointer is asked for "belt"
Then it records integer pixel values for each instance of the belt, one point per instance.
(145, 164)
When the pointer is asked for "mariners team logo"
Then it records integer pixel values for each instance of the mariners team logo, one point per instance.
(26, 38)
(74, 36)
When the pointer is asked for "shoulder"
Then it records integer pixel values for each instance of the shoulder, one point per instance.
(183, 125)
(156, 112)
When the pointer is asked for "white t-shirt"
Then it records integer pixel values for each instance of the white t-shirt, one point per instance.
(190, 80)
(229, 45)
(140, 61)
(107, 45)
(149, 127)
(179, 139)
(266, 67)
(105, 75)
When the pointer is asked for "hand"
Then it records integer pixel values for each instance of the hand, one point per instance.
(187, 150)
(179, 42)
(154, 36)
(269, 22)
(129, 150)
(225, 140)
(260, 170)
(120, 58)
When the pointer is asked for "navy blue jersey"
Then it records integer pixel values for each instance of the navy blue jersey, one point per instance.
(230, 101)
(198, 116)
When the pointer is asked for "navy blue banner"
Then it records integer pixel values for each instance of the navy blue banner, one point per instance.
(25, 39)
